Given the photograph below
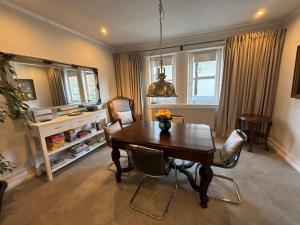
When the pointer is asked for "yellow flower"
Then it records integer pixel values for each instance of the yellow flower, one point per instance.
(163, 114)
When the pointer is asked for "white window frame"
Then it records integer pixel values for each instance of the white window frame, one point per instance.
(163, 100)
(219, 67)
(80, 75)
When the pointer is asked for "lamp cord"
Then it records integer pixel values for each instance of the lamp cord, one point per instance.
(161, 18)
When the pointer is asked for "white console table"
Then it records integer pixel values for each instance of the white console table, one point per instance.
(39, 131)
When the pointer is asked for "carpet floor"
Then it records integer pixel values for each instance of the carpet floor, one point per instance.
(85, 193)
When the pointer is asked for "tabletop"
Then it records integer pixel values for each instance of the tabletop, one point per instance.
(255, 118)
(189, 137)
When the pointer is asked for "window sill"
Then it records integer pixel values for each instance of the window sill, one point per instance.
(187, 106)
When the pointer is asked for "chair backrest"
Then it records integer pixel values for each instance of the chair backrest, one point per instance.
(148, 161)
(231, 150)
(177, 119)
(121, 109)
(110, 129)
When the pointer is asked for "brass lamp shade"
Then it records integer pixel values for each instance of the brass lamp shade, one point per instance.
(161, 88)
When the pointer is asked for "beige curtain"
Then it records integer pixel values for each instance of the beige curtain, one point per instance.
(128, 69)
(56, 86)
(250, 75)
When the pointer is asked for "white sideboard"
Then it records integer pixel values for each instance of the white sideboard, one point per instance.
(38, 132)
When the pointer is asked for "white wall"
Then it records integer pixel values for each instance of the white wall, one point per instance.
(25, 35)
(285, 133)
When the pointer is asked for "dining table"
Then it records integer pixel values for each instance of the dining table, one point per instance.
(187, 141)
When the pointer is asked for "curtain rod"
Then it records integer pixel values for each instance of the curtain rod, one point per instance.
(181, 46)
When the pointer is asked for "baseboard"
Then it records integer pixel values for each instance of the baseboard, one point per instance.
(19, 176)
(282, 152)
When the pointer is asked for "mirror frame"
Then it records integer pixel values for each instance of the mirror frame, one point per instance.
(296, 79)
(46, 62)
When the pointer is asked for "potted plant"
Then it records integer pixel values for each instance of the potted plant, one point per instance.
(5, 166)
(11, 105)
(164, 116)
(13, 96)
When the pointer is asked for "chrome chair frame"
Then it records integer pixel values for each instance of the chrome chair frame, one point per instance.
(227, 165)
(237, 192)
(114, 170)
(158, 217)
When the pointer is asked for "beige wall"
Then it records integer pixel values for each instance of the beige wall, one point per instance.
(41, 84)
(25, 35)
(285, 133)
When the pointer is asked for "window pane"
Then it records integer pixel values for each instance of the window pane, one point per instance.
(205, 90)
(90, 86)
(204, 77)
(169, 72)
(74, 89)
(207, 68)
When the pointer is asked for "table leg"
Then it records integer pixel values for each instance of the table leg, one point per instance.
(267, 135)
(206, 175)
(115, 155)
(251, 137)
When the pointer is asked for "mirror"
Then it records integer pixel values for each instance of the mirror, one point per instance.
(51, 84)
(296, 81)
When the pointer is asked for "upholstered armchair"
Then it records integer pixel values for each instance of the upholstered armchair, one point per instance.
(122, 109)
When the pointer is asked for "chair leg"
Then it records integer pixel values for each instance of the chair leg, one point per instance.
(226, 178)
(235, 187)
(160, 217)
(114, 170)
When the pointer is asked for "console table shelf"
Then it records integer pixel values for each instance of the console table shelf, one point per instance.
(77, 141)
(71, 159)
(37, 133)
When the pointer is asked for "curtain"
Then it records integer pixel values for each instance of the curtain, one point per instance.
(56, 86)
(128, 69)
(250, 75)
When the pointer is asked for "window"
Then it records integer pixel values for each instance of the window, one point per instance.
(80, 86)
(169, 66)
(204, 76)
(72, 86)
(90, 86)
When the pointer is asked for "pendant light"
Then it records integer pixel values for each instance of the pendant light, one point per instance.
(161, 88)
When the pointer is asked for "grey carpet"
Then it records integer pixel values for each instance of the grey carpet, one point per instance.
(85, 193)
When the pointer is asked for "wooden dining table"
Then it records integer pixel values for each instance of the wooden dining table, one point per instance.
(187, 141)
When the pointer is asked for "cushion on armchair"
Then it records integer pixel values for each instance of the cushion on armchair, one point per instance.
(125, 117)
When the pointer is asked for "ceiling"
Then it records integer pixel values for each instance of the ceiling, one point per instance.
(130, 22)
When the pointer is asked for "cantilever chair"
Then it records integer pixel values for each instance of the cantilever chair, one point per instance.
(227, 157)
(152, 163)
(109, 130)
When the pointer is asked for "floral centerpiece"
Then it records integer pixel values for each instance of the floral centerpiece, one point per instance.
(164, 116)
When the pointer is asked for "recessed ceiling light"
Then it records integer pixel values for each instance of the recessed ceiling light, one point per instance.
(260, 13)
(103, 30)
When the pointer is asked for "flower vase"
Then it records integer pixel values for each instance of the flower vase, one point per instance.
(164, 125)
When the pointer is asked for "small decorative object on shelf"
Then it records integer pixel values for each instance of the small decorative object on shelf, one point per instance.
(70, 135)
(83, 133)
(164, 116)
(55, 141)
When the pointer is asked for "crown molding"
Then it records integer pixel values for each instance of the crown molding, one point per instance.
(208, 35)
(53, 23)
